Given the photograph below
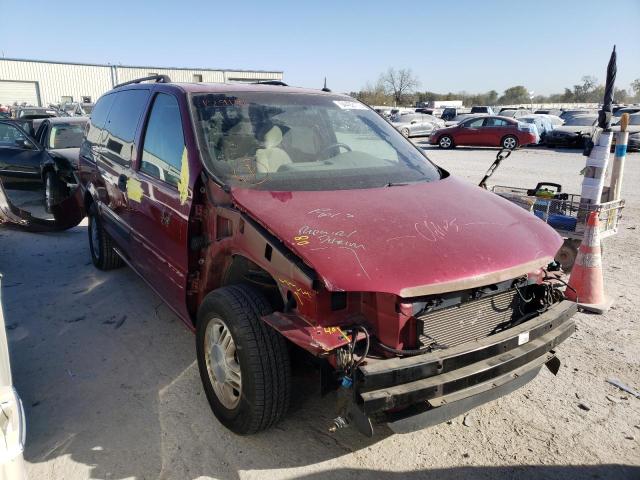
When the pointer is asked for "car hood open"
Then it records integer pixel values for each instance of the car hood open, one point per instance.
(409, 240)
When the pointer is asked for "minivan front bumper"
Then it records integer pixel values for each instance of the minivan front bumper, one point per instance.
(415, 392)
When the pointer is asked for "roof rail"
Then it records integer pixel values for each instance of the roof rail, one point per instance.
(277, 83)
(157, 78)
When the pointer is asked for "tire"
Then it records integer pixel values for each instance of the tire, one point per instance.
(509, 142)
(405, 132)
(259, 398)
(54, 190)
(103, 255)
(445, 141)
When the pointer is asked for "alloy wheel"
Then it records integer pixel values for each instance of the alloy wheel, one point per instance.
(445, 142)
(509, 143)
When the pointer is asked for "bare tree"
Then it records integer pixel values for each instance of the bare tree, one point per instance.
(399, 83)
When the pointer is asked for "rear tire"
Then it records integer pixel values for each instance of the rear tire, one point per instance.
(405, 132)
(103, 255)
(259, 397)
(445, 141)
(509, 142)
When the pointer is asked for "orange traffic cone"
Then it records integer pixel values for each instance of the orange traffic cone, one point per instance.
(586, 277)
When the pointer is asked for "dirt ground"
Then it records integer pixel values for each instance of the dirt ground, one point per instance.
(111, 390)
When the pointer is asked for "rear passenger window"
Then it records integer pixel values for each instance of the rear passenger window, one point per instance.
(163, 141)
(99, 118)
(495, 122)
(125, 114)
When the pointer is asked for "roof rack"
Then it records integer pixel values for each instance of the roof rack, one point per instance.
(277, 83)
(156, 78)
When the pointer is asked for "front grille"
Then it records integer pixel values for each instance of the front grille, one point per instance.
(467, 321)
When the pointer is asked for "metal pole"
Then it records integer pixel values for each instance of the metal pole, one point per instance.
(622, 138)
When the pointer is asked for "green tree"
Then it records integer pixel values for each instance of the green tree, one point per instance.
(374, 95)
(514, 95)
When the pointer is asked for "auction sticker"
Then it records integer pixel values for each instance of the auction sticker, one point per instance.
(347, 105)
(523, 338)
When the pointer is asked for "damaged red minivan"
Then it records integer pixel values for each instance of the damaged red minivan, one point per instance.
(274, 219)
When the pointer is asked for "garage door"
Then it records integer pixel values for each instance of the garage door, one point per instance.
(11, 91)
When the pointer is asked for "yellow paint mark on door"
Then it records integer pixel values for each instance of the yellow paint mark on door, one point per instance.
(134, 190)
(183, 184)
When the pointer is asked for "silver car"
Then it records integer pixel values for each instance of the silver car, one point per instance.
(414, 124)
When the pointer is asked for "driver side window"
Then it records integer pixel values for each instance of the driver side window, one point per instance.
(12, 137)
(164, 144)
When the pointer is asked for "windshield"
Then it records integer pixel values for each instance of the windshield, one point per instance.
(66, 135)
(581, 121)
(290, 141)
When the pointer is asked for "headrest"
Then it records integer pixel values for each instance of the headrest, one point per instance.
(273, 137)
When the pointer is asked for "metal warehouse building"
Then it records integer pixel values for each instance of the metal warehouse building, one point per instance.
(39, 82)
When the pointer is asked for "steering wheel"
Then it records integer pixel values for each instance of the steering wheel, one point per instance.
(333, 145)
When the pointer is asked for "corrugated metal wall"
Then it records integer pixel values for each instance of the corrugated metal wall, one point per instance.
(124, 74)
(56, 80)
(245, 76)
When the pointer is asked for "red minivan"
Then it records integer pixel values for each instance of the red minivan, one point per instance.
(494, 131)
(281, 223)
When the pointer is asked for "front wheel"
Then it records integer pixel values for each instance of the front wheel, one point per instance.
(405, 132)
(445, 142)
(244, 363)
(509, 142)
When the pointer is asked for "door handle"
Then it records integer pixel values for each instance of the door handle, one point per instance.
(122, 182)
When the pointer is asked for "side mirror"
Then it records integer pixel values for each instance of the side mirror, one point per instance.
(26, 144)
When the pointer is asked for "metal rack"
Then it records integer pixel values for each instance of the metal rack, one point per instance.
(564, 213)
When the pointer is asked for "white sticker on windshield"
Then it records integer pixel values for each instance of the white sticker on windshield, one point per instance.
(347, 105)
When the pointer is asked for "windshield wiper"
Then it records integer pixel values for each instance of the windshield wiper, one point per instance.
(394, 184)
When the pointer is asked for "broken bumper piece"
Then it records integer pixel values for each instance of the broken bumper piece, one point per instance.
(66, 214)
(416, 392)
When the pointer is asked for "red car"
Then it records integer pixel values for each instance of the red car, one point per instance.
(280, 223)
(485, 132)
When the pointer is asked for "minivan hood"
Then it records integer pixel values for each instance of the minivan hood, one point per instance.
(409, 240)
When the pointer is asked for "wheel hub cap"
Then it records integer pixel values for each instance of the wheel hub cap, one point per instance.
(223, 367)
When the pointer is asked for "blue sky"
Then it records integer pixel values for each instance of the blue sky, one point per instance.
(450, 46)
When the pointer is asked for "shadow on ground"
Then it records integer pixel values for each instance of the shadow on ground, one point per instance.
(111, 389)
(109, 381)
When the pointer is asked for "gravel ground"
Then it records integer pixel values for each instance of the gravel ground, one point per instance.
(111, 390)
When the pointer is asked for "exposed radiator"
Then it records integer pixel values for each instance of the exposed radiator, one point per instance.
(467, 321)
